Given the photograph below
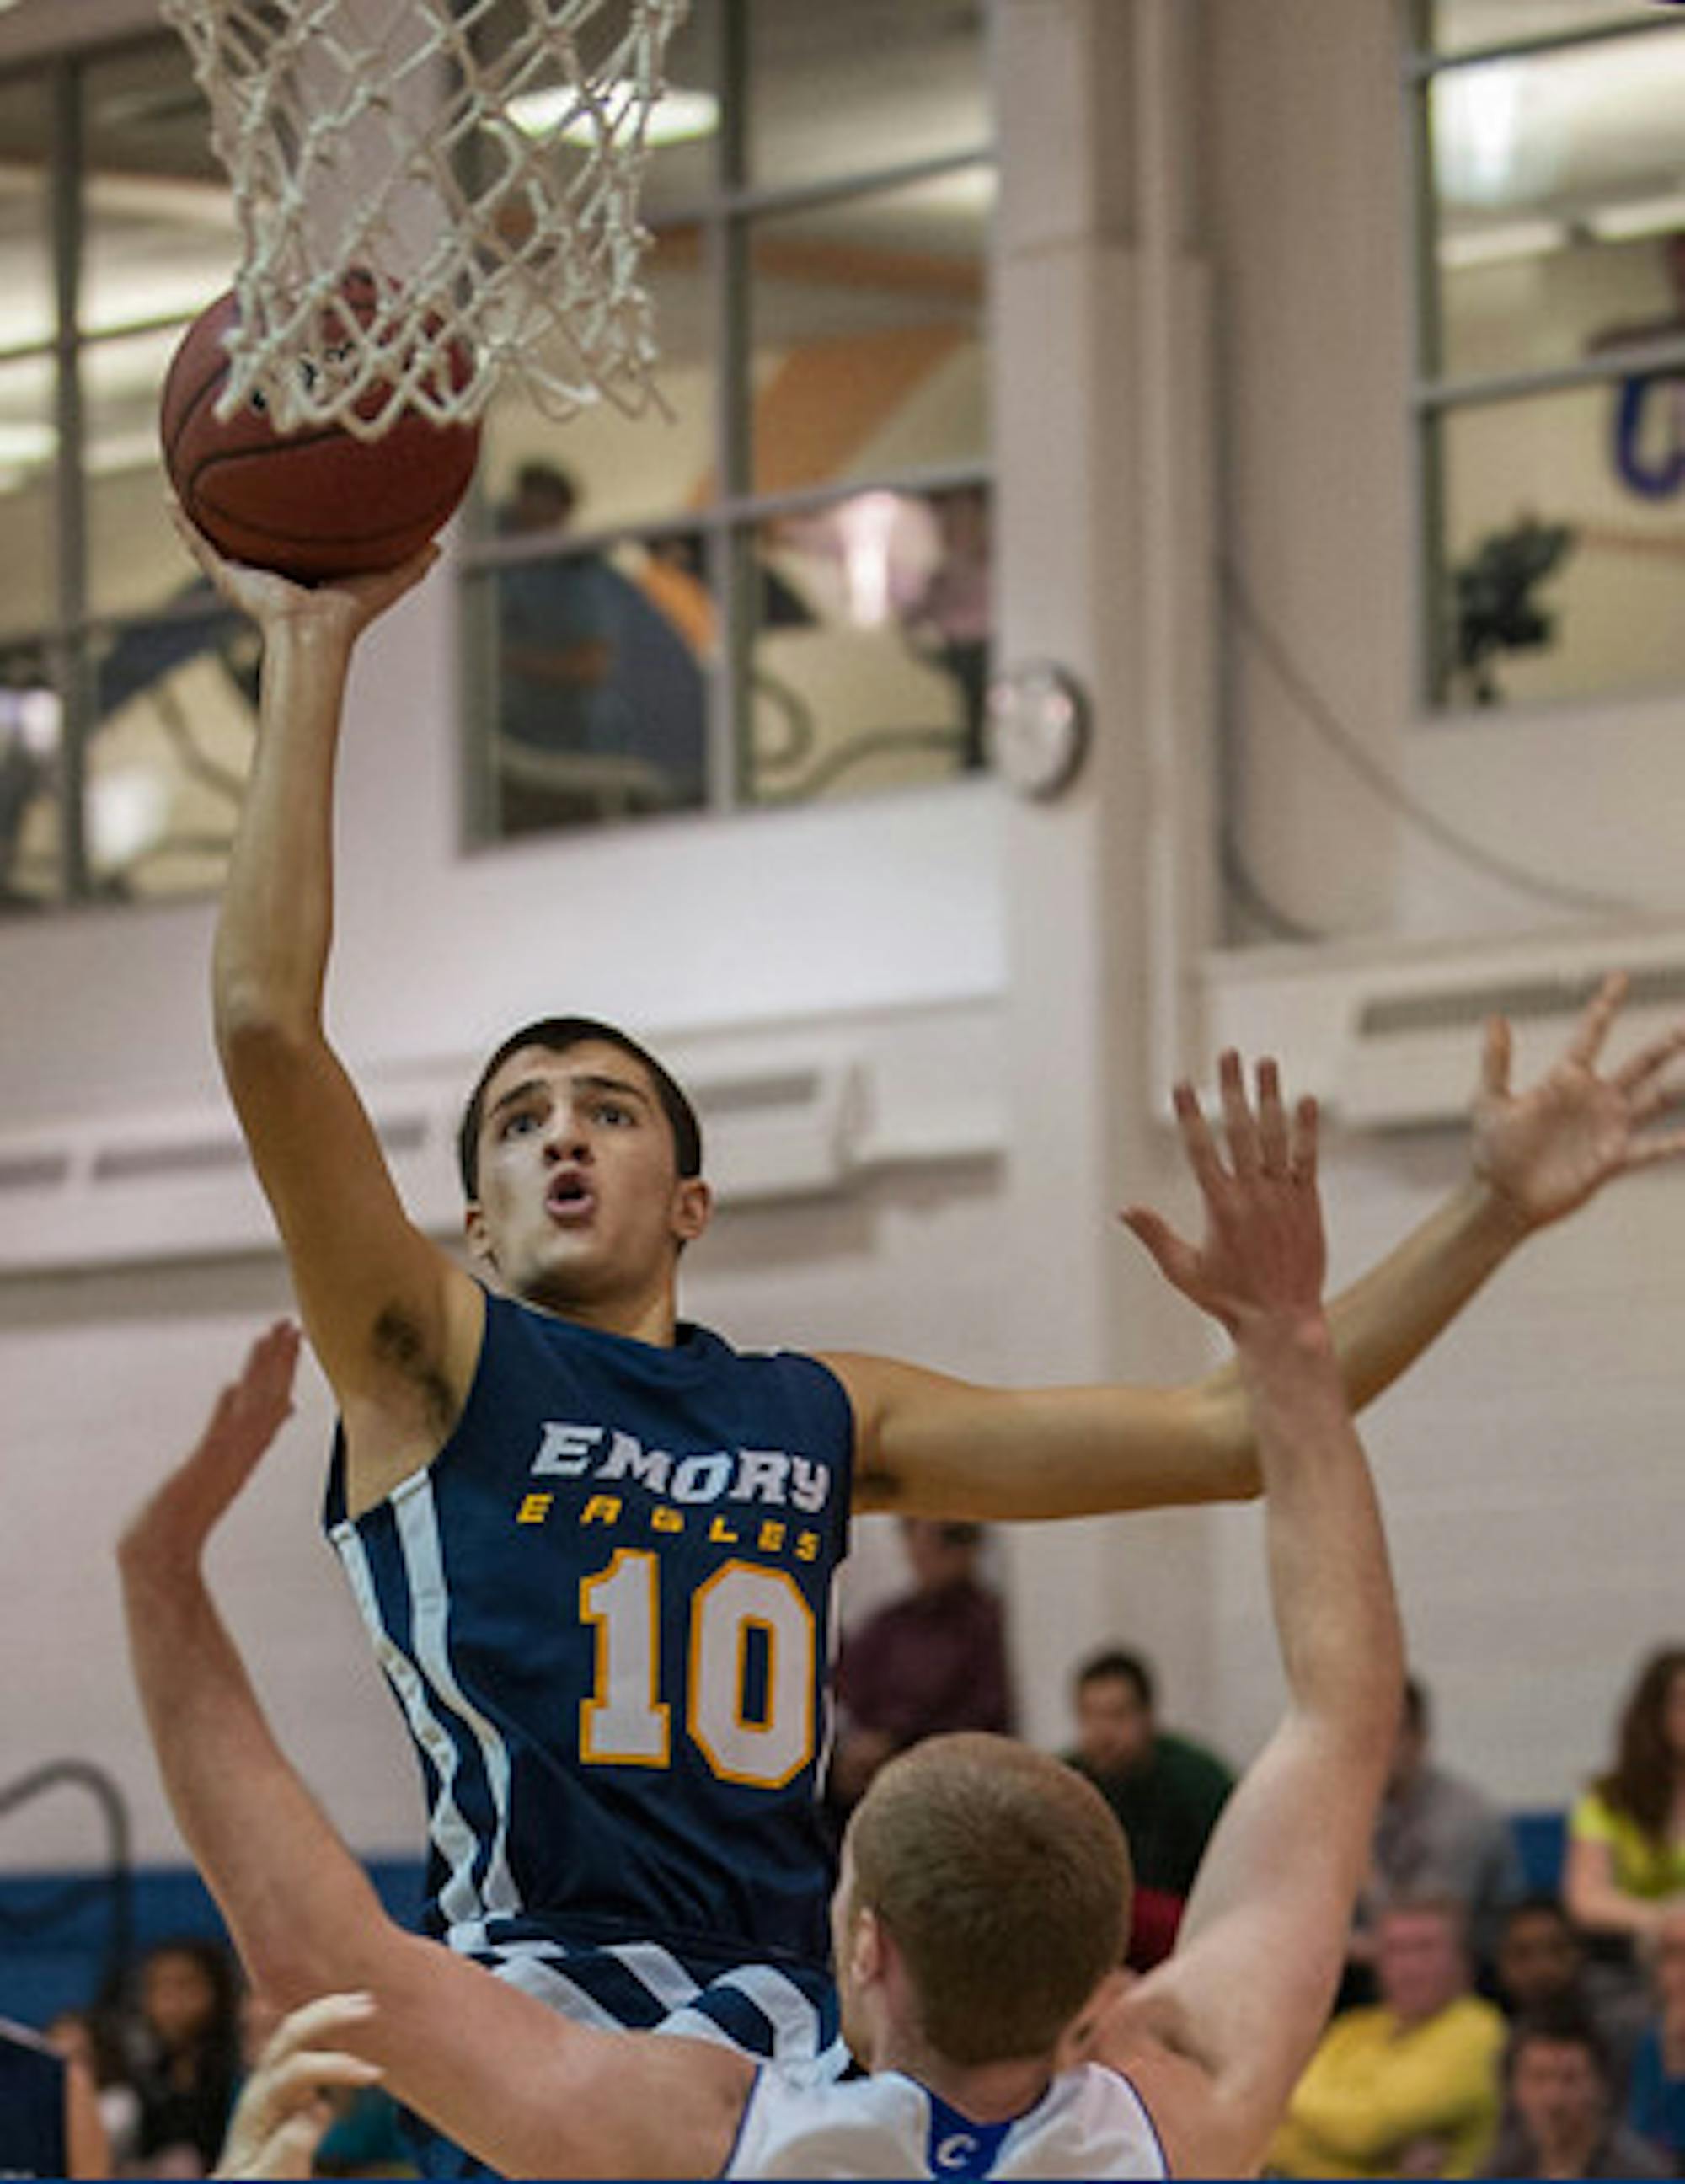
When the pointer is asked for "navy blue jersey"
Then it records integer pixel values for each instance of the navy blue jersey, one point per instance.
(32, 2138)
(605, 1609)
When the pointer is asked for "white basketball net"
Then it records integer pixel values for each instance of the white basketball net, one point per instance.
(377, 135)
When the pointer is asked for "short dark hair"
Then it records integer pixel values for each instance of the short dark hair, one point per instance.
(1004, 1879)
(557, 1034)
(1564, 2023)
(549, 479)
(1116, 1664)
(1418, 1709)
(1538, 1903)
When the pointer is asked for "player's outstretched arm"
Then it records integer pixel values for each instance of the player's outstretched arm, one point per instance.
(1240, 2004)
(938, 1447)
(529, 2093)
(395, 1324)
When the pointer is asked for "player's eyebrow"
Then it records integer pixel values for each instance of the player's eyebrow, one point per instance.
(588, 1081)
(584, 1081)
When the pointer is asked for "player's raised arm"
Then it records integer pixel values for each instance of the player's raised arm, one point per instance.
(938, 1446)
(1247, 1992)
(394, 1322)
(526, 2091)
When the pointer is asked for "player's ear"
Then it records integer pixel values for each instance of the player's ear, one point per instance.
(868, 1947)
(693, 1208)
(474, 1229)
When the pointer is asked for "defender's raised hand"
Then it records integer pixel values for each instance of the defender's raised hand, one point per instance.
(249, 1412)
(287, 2103)
(1263, 1255)
(1546, 1150)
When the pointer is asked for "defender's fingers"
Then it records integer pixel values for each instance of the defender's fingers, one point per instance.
(1494, 1058)
(1648, 1059)
(1154, 1233)
(1197, 1141)
(1647, 1151)
(1239, 1125)
(1302, 1161)
(1272, 1119)
(1601, 1010)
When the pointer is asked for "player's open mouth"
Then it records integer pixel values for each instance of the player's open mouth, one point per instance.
(571, 1199)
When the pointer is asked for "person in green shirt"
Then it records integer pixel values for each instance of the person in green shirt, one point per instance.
(1167, 1790)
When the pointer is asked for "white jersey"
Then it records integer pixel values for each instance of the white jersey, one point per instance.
(1090, 2122)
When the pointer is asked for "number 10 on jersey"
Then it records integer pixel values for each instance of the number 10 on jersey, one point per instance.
(626, 1722)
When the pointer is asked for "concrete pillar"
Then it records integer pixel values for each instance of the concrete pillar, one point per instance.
(1099, 427)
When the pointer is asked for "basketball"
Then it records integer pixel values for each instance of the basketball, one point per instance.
(318, 502)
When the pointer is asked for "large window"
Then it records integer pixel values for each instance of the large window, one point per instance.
(1551, 385)
(774, 590)
(779, 590)
(125, 713)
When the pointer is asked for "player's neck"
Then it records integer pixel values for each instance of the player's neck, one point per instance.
(987, 2092)
(650, 1317)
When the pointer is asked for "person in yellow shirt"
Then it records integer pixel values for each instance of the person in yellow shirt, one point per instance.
(1626, 1869)
(1409, 2087)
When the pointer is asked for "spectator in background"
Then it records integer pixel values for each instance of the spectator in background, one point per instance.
(190, 2018)
(1626, 1867)
(90, 2039)
(1408, 2086)
(1655, 2106)
(1165, 1790)
(1437, 1835)
(49, 2121)
(1541, 1966)
(590, 667)
(1562, 2119)
(932, 1661)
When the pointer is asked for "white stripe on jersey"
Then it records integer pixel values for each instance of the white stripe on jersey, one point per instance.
(657, 1968)
(449, 1833)
(792, 2016)
(541, 1978)
(547, 1971)
(1090, 2122)
(418, 1531)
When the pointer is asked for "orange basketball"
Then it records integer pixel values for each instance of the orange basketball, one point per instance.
(314, 504)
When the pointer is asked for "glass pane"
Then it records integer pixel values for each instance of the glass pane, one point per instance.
(596, 676)
(873, 622)
(26, 306)
(160, 239)
(683, 135)
(31, 729)
(1562, 580)
(1461, 25)
(837, 91)
(175, 717)
(629, 469)
(29, 443)
(867, 334)
(136, 562)
(1560, 192)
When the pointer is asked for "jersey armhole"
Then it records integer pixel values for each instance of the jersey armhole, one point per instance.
(1146, 2113)
(335, 1500)
(739, 2134)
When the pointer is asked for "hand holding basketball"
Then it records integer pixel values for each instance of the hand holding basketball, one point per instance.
(269, 598)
